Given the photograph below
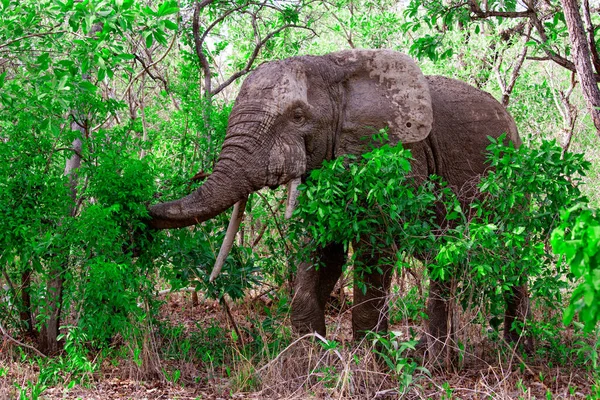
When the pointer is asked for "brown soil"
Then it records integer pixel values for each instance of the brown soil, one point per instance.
(308, 368)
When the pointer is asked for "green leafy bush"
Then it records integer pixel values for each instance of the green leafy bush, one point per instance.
(499, 242)
(577, 239)
(506, 240)
(372, 203)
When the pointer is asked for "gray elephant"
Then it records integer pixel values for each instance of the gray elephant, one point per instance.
(293, 114)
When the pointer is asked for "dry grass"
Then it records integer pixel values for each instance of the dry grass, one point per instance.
(308, 367)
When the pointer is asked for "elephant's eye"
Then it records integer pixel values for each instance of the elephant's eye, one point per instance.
(298, 116)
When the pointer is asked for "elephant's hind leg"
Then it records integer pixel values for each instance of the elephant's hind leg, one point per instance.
(313, 287)
(441, 340)
(370, 310)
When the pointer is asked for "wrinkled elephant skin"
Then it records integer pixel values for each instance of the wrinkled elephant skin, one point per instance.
(293, 114)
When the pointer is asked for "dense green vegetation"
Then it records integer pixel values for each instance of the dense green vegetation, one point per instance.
(109, 106)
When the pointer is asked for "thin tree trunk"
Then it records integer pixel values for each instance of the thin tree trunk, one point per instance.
(54, 289)
(590, 31)
(582, 60)
(25, 313)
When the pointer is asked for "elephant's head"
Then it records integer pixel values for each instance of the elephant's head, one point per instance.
(293, 114)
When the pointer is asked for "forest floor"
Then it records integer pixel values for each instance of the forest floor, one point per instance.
(193, 355)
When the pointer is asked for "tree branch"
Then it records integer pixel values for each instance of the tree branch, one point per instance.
(532, 14)
(154, 78)
(198, 42)
(481, 14)
(144, 70)
(12, 339)
(51, 32)
(516, 69)
(253, 56)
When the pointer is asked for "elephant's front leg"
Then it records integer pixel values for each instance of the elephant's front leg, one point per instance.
(370, 310)
(313, 286)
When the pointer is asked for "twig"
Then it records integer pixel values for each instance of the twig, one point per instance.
(508, 86)
(78, 153)
(51, 32)
(253, 56)
(138, 76)
(232, 321)
(301, 338)
(274, 214)
(144, 70)
(6, 335)
(260, 234)
(532, 14)
(154, 78)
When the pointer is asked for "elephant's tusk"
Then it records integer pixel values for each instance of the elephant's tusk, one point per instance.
(292, 197)
(234, 225)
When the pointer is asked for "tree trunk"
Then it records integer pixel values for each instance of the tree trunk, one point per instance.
(25, 313)
(581, 58)
(54, 288)
(54, 292)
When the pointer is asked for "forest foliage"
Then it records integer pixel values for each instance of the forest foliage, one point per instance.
(109, 106)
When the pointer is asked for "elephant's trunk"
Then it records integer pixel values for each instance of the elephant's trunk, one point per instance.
(239, 171)
(211, 199)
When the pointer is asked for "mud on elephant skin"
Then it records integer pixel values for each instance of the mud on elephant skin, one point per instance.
(293, 114)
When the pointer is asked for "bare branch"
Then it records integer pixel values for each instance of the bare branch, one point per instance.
(198, 42)
(563, 62)
(483, 14)
(507, 90)
(347, 33)
(253, 56)
(144, 70)
(73, 150)
(240, 338)
(7, 336)
(162, 57)
(532, 14)
(51, 32)
(218, 21)
(154, 78)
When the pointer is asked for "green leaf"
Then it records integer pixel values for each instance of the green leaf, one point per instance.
(149, 40)
(171, 25)
(88, 86)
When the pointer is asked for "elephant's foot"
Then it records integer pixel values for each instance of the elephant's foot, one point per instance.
(312, 287)
(441, 337)
(370, 311)
(368, 318)
(307, 315)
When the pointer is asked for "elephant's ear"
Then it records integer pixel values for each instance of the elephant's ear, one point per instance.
(384, 89)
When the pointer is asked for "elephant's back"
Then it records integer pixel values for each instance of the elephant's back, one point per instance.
(463, 118)
(456, 103)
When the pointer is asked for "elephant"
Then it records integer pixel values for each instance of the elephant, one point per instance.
(293, 114)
